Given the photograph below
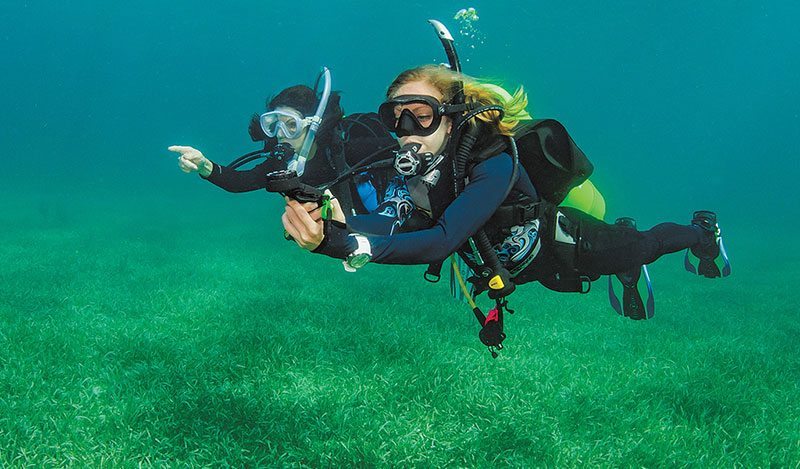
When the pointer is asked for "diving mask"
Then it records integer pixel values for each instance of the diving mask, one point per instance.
(289, 123)
(415, 114)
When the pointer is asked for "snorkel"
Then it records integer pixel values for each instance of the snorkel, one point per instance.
(490, 272)
(458, 93)
(287, 181)
(302, 155)
(462, 141)
(452, 56)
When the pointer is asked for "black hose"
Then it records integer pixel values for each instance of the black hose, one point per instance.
(243, 161)
(247, 157)
(465, 145)
(474, 113)
(362, 166)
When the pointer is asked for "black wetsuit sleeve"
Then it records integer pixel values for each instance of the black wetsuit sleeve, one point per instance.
(242, 181)
(462, 219)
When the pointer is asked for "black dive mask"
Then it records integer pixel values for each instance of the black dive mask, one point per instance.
(416, 114)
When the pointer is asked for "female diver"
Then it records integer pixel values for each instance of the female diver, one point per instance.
(459, 172)
(286, 130)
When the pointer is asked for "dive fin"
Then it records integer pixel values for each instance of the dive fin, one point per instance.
(711, 249)
(650, 308)
(687, 264)
(726, 263)
(707, 268)
(632, 305)
(612, 297)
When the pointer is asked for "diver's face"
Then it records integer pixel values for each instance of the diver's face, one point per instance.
(434, 143)
(297, 142)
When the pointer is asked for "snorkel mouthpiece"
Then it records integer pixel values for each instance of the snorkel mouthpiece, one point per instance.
(317, 120)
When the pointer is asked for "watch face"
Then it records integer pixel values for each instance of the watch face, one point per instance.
(358, 261)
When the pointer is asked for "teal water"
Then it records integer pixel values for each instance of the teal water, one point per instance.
(680, 105)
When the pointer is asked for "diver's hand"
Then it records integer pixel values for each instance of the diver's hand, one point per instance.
(336, 209)
(192, 160)
(314, 211)
(306, 229)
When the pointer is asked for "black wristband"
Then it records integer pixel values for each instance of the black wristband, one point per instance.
(337, 241)
(216, 170)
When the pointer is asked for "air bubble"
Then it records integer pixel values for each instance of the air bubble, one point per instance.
(468, 29)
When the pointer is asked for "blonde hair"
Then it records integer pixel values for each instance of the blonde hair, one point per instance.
(445, 80)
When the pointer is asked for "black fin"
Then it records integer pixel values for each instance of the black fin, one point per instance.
(708, 268)
(632, 305)
(708, 250)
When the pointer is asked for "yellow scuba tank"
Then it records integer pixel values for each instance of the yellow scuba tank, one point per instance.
(586, 198)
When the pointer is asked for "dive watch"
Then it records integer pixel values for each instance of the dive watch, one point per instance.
(360, 257)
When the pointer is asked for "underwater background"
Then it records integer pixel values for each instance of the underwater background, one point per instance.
(148, 317)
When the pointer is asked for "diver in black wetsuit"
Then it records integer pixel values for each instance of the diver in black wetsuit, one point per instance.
(605, 249)
(340, 143)
(490, 212)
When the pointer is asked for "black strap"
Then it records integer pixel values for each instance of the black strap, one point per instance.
(563, 275)
(517, 214)
(434, 271)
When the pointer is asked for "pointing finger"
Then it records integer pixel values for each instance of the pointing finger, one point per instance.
(180, 149)
(176, 148)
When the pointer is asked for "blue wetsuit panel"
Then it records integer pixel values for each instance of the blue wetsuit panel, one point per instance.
(387, 217)
(462, 218)
(366, 192)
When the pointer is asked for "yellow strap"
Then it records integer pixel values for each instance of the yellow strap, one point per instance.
(460, 279)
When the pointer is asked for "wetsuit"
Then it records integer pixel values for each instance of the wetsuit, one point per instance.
(318, 171)
(584, 243)
(362, 135)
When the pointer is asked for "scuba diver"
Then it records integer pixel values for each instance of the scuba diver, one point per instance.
(306, 132)
(505, 230)
(463, 173)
